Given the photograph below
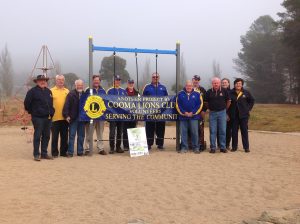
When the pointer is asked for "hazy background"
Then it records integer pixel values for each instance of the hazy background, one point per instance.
(207, 31)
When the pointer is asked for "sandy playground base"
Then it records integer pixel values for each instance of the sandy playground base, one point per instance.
(165, 187)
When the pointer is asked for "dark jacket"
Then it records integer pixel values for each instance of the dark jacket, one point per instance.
(39, 102)
(202, 90)
(96, 92)
(71, 107)
(241, 105)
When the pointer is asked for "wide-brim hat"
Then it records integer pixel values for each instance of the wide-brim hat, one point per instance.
(41, 77)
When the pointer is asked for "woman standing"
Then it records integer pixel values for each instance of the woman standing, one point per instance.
(241, 104)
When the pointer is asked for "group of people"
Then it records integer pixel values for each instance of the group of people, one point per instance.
(56, 111)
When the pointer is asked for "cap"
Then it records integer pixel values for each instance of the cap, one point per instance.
(197, 77)
(117, 77)
(130, 81)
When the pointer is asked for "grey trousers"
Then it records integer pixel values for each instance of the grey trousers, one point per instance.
(99, 126)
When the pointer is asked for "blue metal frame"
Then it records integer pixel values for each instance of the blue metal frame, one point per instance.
(134, 50)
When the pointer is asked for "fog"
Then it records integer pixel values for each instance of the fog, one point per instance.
(207, 31)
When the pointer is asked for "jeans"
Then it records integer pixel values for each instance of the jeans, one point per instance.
(76, 126)
(192, 126)
(217, 123)
(41, 135)
(59, 128)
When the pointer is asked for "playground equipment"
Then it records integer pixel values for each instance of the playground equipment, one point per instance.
(136, 51)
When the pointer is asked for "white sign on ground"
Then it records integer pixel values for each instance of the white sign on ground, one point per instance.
(137, 142)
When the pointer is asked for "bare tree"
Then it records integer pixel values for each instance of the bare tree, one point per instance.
(216, 69)
(6, 72)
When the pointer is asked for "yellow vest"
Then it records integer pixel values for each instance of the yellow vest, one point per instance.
(59, 99)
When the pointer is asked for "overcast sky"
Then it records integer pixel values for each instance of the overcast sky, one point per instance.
(207, 30)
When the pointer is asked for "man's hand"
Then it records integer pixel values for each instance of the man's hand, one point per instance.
(68, 119)
(227, 117)
(202, 113)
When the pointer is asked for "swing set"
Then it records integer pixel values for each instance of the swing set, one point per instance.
(136, 51)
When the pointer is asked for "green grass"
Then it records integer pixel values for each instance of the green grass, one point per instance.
(275, 117)
(266, 117)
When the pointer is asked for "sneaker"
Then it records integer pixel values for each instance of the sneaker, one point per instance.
(212, 151)
(197, 151)
(247, 150)
(119, 150)
(80, 154)
(36, 158)
(111, 151)
(223, 150)
(86, 152)
(233, 150)
(102, 152)
(160, 147)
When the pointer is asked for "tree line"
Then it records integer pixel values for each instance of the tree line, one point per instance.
(270, 56)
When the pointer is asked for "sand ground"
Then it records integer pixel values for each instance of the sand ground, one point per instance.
(165, 187)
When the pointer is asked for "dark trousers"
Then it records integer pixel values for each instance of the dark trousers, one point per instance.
(115, 139)
(159, 129)
(127, 125)
(59, 128)
(41, 135)
(241, 123)
(228, 134)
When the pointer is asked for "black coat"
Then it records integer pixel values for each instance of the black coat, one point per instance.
(242, 105)
(71, 107)
(39, 102)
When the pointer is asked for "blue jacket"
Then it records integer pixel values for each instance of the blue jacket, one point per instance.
(96, 92)
(39, 102)
(151, 90)
(191, 102)
(116, 91)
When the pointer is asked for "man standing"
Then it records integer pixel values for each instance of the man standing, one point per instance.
(131, 91)
(196, 84)
(155, 88)
(98, 125)
(189, 104)
(116, 126)
(241, 105)
(71, 114)
(59, 124)
(39, 103)
(218, 101)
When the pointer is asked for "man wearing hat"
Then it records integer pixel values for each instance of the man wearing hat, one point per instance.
(131, 91)
(197, 87)
(116, 126)
(98, 125)
(155, 88)
(39, 103)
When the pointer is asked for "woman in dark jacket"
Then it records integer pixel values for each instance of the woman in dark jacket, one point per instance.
(242, 103)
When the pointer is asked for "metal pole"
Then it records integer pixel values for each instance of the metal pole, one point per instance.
(177, 90)
(91, 92)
